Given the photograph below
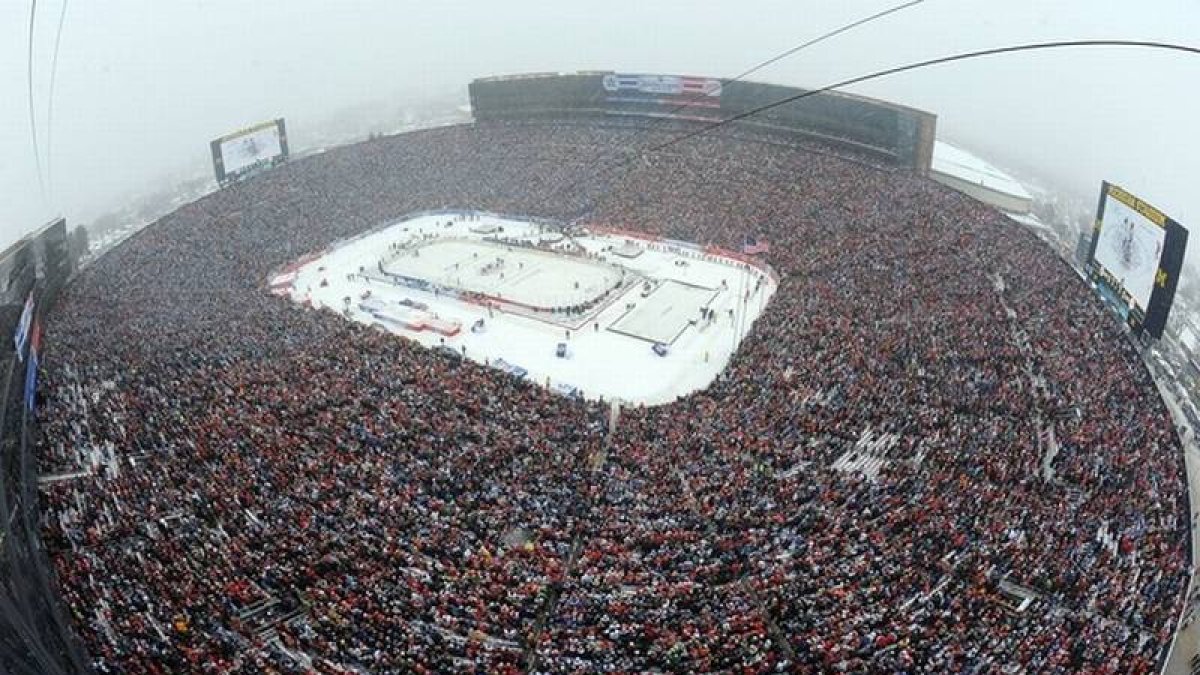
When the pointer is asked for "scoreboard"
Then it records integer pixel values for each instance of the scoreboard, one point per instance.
(244, 152)
(1135, 258)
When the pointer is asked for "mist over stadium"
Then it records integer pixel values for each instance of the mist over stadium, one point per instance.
(693, 365)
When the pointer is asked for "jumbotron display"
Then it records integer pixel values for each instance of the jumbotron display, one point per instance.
(1135, 258)
(243, 152)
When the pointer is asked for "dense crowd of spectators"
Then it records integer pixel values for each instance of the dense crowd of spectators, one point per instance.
(268, 488)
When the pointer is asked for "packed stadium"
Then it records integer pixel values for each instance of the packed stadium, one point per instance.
(619, 372)
(933, 451)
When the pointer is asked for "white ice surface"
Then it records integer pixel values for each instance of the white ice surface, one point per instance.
(666, 312)
(531, 277)
(599, 363)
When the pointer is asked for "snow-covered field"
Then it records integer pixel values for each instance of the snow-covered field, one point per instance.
(507, 292)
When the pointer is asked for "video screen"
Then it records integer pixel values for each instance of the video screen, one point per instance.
(1136, 257)
(1129, 246)
(252, 148)
(242, 152)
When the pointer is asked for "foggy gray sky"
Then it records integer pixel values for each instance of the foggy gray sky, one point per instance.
(143, 86)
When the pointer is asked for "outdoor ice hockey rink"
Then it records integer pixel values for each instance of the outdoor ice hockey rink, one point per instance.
(666, 313)
(600, 313)
(532, 277)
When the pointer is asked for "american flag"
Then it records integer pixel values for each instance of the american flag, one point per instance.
(753, 246)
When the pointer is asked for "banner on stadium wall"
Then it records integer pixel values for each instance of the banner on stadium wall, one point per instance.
(22, 334)
(702, 92)
(31, 367)
(421, 284)
(682, 245)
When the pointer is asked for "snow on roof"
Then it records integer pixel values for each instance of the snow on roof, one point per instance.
(1030, 220)
(1188, 337)
(961, 164)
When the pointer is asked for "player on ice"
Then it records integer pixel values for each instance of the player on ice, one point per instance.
(1127, 244)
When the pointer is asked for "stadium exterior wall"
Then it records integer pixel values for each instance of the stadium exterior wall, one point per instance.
(36, 634)
(1004, 201)
(896, 134)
